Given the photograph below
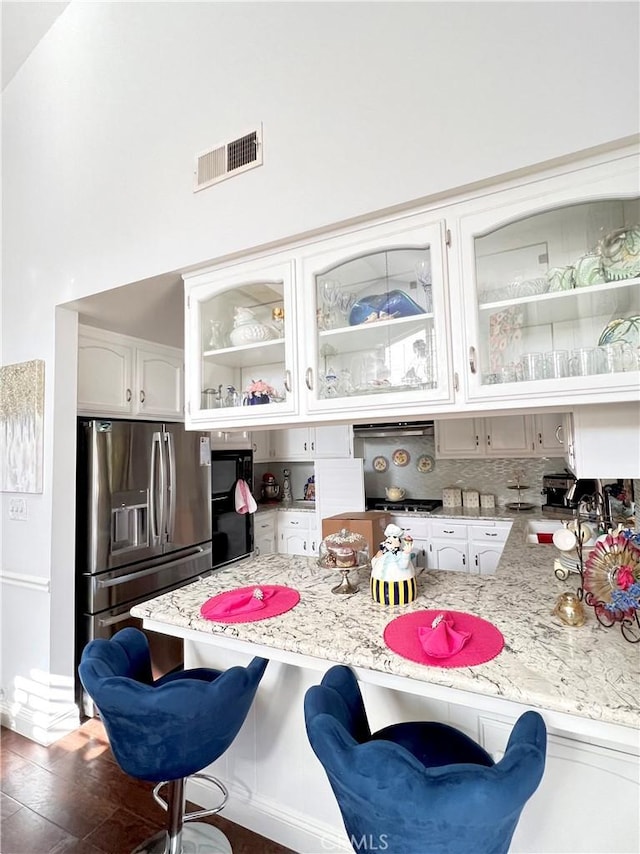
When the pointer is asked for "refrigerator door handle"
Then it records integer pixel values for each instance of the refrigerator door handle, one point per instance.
(141, 573)
(157, 489)
(171, 487)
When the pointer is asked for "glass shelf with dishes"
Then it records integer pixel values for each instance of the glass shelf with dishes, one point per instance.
(240, 321)
(379, 322)
(558, 296)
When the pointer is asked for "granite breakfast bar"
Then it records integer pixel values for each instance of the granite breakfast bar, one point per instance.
(585, 681)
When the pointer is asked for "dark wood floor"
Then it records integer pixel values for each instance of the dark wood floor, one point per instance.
(72, 798)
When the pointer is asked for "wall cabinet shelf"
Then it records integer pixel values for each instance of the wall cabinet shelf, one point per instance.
(128, 377)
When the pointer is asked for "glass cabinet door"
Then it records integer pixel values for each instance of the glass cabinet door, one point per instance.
(240, 324)
(558, 300)
(377, 322)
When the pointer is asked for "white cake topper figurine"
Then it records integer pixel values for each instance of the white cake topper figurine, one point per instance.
(393, 561)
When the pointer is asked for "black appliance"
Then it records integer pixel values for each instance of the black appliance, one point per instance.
(232, 531)
(407, 505)
(556, 487)
(143, 526)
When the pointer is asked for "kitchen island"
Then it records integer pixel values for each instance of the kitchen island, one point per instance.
(585, 681)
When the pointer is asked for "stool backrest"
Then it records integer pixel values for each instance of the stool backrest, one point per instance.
(389, 799)
(168, 729)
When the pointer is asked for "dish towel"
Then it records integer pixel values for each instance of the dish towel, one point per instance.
(441, 639)
(245, 502)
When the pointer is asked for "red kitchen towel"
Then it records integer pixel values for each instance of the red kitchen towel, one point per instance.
(247, 604)
(244, 500)
(408, 634)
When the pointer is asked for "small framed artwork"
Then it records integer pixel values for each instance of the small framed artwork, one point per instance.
(21, 426)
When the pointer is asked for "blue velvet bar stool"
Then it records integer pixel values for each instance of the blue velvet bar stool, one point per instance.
(166, 730)
(420, 787)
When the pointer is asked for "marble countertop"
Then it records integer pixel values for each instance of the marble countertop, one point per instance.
(590, 672)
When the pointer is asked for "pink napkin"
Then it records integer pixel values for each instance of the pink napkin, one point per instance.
(441, 639)
(237, 603)
(245, 502)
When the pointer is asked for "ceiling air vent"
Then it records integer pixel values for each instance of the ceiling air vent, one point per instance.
(227, 159)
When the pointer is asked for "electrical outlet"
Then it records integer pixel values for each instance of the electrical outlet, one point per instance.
(18, 509)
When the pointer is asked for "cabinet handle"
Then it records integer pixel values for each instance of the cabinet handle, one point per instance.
(540, 439)
(456, 382)
(256, 551)
(254, 447)
(489, 441)
(472, 360)
(487, 534)
(141, 395)
(447, 532)
(476, 558)
(464, 560)
(477, 441)
(313, 446)
(287, 380)
(128, 395)
(305, 545)
(295, 523)
(305, 446)
(308, 378)
(560, 434)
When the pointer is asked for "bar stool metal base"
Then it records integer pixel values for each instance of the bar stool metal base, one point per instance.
(197, 838)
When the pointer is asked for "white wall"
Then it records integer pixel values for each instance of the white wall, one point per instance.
(364, 106)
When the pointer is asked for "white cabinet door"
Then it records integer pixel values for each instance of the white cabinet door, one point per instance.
(293, 443)
(105, 375)
(158, 383)
(445, 554)
(548, 436)
(293, 532)
(264, 529)
(508, 436)
(484, 558)
(535, 291)
(459, 437)
(120, 375)
(332, 441)
(261, 445)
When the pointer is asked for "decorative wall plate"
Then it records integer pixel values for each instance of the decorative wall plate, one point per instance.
(426, 464)
(380, 463)
(400, 457)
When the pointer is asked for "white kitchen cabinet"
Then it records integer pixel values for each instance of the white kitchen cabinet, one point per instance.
(473, 547)
(261, 445)
(265, 532)
(230, 439)
(604, 442)
(548, 434)
(501, 436)
(310, 443)
(297, 533)
(551, 266)
(123, 376)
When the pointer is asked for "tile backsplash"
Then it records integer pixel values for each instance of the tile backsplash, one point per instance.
(492, 476)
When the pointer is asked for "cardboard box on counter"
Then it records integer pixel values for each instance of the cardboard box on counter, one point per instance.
(370, 524)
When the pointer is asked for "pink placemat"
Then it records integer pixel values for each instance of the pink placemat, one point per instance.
(242, 605)
(484, 643)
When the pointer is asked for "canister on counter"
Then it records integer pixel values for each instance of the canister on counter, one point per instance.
(470, 498)
(487, 502)
(451, 497)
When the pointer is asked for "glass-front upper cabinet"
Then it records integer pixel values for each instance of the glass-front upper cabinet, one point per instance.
(376, 316)
(557, 300)
(240, 347)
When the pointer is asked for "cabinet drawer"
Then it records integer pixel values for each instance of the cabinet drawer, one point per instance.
(292, 521)
(448, 530)
(418, 526)
(488, 535)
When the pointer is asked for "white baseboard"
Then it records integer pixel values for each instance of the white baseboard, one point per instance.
(39, 726)
(295, 830)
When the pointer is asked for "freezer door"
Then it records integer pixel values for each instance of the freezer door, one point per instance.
(105, 590)
(117, 511)
(188, 479)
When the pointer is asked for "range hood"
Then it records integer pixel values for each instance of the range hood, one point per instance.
(392, 429)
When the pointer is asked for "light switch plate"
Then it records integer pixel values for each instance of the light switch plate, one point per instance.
(18, 509)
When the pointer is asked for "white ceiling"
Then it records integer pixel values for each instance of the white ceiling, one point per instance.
(23, 24)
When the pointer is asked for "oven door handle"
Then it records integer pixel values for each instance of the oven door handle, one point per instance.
(141, 573)
(103, 622)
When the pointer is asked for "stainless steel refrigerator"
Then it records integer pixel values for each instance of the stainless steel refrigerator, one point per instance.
(143, 525)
